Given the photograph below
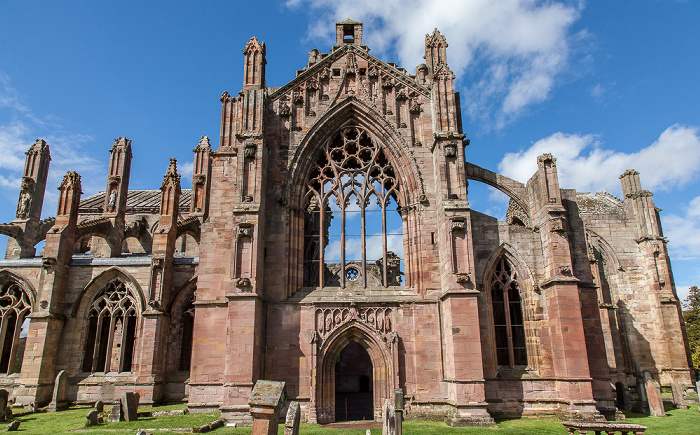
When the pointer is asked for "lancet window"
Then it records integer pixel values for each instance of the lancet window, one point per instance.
(187, 335)
(111, 330)
(15, 305)
(353, 230)
(508, 316)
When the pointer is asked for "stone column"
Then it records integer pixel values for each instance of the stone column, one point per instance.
(31, 199)
(116, 192)
(151, 367)
(560, 290)
(38, 370)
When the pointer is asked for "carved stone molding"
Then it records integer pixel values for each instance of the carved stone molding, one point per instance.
(451, 150)
(245, 230)
(458, 225)
(249, 150)
(379, 319)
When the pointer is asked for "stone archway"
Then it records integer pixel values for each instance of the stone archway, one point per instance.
(381, 354)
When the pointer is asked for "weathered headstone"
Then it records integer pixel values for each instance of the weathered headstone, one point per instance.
(115, 416)
(8, 413)
(100, 406)
(265, 402)
(291, 424)
(398, 411)
(3, 403)
(58, 401)
(93, 418)
(677, 391)
(388, 418)
(12, 426)
(656, 404)
(130, 406)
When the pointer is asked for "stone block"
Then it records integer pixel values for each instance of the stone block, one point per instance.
(291, 424)
(116, 415)
(130, 406)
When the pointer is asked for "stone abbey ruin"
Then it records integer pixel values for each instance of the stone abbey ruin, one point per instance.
(328, 242)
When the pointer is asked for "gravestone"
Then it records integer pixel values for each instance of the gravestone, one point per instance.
(58, 401)
(130, 406)
(100, 406)
(12, 426)
(116, 415)
(388, 418)
(93, 418)
(291, 424)
(677, 391)
(265, 402)
(656, 404)
(8, 413)
(398, 411)
(3, 403)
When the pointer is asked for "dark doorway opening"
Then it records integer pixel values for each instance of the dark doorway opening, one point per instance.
(354, 398)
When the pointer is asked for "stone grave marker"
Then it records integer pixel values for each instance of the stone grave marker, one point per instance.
(8, 413)
(265, 402)
(291, 424)
(12, 426)
(115, 415)
(388, 418)
(677, 391)
(58, 401)
(398, 410)
(93, 418)
(100, 406)
(3, 403)
(130, 406)
(656, 404)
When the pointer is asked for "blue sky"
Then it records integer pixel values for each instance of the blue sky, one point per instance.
(604, 86)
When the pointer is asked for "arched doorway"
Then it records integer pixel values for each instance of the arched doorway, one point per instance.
(353, 384)
(356, 343)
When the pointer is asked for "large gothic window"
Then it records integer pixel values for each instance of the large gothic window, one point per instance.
(353, 230)
(14, 307)
(111, 330)
(507, 316)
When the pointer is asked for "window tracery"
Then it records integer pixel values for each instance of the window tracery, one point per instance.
(111, 330)
(15, 305)
(508, 316)
(351, 236)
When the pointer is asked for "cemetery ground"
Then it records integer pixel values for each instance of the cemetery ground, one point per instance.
(73, 421)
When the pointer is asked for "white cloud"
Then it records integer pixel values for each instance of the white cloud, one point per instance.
(673, 160)
(185, 170)
(68, 151)
(511, 50)
(683, 232)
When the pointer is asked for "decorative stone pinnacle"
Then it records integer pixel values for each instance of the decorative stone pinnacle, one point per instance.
(172, 170)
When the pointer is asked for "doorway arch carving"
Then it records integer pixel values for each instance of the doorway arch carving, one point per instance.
(382, 349)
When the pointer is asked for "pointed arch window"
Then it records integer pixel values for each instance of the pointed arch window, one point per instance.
(508, 316)
(111, 330)
(187, 322)
(353, 232)
(15, 305)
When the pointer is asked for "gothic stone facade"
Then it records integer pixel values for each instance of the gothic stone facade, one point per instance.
(331, 231)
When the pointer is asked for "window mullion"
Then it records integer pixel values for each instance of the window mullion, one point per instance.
(342, 240)
(509, 328)
(385, 281)
(364, 245)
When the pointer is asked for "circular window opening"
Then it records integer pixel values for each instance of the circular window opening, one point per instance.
(352, 274)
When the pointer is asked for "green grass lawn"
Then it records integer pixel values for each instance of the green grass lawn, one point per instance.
(679, 421)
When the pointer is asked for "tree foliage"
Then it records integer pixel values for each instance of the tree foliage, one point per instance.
(691, 315)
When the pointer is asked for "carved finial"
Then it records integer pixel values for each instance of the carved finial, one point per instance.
(204, 142)
(172, 170)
